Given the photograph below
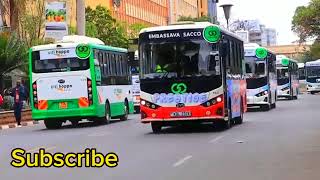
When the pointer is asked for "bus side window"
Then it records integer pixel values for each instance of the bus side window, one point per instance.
(97, 71)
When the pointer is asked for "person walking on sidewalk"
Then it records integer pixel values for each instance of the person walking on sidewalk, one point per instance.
(20, 94)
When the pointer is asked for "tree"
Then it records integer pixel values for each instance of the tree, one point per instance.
(13, 54)
(101, 24)
(306, 21)
(134, 30)
(32, 24)
(194, 19)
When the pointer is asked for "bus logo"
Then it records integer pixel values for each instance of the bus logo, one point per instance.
(61, 81)
(179, 88)
(83, 51)
(211, 34)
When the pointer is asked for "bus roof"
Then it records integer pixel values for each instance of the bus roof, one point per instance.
(313, 63)
(251, 48)
(300, 65)
(187, 25)
(72, 41)
(281, 57)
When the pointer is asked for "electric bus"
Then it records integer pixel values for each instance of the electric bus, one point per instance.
(79, 78)
(288, 78)
(261, 76)
(313, 76)
(191, 72)
(302, 77)
(135, 67)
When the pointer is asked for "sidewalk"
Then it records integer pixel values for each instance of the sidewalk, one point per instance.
(14, 125)
(7, 119)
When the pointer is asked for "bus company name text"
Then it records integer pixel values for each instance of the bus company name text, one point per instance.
(59, 52)
(175, 35)
(180, 98)
(42, 159)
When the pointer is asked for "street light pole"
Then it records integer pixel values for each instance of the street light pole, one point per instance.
(81, 17)
(227, 10)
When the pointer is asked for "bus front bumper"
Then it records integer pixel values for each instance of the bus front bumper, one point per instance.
(64, 114)
(198, 113)
(285, 93)
(313, 87)
(255, 101)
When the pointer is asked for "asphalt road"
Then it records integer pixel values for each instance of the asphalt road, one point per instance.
(283, 144)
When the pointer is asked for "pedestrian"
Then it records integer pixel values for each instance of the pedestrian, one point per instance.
(20, 95)
(1, 100)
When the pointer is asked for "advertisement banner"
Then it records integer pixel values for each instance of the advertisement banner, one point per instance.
(56, 23)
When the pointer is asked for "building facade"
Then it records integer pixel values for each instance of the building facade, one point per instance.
(202, 8)
(180, 8)
(151, 12)
(258, 33)
(291, 51)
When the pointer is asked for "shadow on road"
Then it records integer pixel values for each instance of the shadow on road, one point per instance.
(84, 124)
(189, 129)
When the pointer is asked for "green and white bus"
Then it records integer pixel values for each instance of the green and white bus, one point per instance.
(79, 78)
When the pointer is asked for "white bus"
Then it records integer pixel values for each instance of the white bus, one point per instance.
(261, 76)
(287, 77)
(79, 78)
(313, 76)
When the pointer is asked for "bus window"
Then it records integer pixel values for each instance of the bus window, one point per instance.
(260, 69)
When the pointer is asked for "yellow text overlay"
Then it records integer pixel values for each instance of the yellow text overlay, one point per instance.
(88, 158)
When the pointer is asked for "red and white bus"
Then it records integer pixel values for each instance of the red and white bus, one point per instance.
(191, 72)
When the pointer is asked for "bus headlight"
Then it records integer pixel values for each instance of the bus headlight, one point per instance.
(149, 104)
(262, 93)
(212, 102)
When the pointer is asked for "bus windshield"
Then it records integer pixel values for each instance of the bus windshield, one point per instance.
(282, 73)
(255, 68)
(179, 59)
(313, 71)
(59, 65)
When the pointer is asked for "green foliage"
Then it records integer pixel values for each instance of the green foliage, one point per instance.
(102, 25)
(306, 21)
(8, 103)
(135, 29)
(196, 19)
(13, 53)
(315, 50)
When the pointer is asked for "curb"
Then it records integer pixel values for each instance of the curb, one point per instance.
(23, 124)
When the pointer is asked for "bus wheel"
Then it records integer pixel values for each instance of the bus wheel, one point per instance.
(74, 122)
(227, 124)
(265, 107)
(126, 112)
(52, 124)
(156, 127)
(239, 120)
(107, 114)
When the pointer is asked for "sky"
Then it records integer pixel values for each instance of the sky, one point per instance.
(272, 13)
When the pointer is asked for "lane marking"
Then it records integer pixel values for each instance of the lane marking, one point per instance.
(216, 139)
(50, 148)
(181, 161)
(99, 134)
(37, 149)
(34, 149)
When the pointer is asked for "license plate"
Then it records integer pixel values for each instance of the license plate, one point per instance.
(63, 105)
(181, 114)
